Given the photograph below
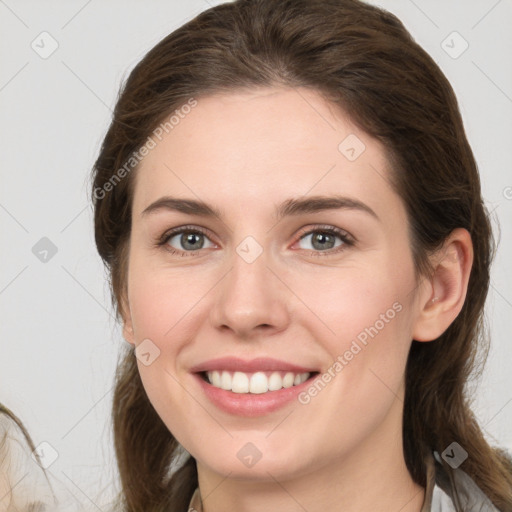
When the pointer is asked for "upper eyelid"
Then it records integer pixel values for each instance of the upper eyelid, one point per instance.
(167, 235)
(325, 227)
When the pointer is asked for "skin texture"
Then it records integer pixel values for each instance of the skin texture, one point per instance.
(244, 153)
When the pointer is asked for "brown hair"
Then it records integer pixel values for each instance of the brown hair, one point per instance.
(362, 59)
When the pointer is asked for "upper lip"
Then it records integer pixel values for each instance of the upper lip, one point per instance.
(235, 364)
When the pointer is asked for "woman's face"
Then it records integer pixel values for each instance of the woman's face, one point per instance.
(306, 273)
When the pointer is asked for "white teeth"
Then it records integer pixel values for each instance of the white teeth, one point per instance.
(256, 383)
(288, 380)
(225, 380)
(240, 383)
(275, 382)
(216, 380)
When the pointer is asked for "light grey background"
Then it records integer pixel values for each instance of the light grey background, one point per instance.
(58, 337)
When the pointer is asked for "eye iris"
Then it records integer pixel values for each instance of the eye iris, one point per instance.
(187, 241)
(324, 240)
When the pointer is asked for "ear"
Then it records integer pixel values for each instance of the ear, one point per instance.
(126, 315)
(447, 288)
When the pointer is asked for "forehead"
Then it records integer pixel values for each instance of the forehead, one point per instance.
(248, 148)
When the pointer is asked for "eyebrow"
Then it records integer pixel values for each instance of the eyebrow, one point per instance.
(290, 207)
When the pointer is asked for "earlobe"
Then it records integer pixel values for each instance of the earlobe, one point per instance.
(128, 334)
(452, 267)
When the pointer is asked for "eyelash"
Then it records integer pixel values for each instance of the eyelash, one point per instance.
(347, 239)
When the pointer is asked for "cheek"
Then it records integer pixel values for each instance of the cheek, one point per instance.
(161, 298)
(161, 306)
(164, 308)
(343, 304)
(362, 319)
(369, 314)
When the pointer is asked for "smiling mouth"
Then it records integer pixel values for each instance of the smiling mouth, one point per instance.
(255, 383)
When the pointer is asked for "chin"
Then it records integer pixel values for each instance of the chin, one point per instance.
(253, 464)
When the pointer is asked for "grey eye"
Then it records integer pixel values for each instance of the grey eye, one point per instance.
(188, 241)
(321, 240)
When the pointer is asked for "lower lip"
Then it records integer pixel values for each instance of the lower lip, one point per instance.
(251, 404)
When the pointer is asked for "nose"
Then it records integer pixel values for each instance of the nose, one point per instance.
(250, 300)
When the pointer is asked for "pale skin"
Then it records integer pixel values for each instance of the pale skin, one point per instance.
(245, 153)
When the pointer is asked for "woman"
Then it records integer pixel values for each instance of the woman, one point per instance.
(299, 253)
